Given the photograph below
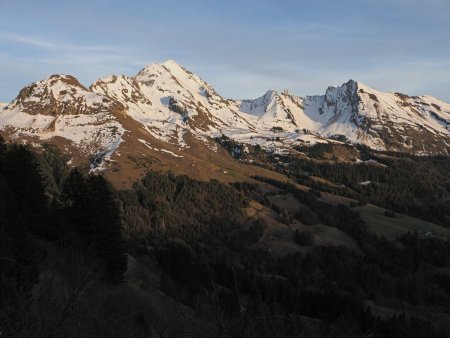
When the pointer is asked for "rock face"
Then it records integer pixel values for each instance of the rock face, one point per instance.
(61, 94)
(60, 107)
(390, 121)
(171, 101)
(170, 104)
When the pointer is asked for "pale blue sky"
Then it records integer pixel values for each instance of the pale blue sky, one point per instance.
(240, 47)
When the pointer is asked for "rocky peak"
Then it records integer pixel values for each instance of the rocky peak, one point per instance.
(342, 99)
(346, 91)
(60, 94)
(174, 68)
(173, 78)
(124, 89)
(259, 105)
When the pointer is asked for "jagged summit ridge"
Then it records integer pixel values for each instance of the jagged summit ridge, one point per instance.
(60, 107)
(173, 105)
(60, 94)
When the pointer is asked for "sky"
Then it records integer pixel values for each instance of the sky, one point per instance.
(242, 48)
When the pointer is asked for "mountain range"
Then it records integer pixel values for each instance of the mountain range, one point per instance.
(167, 112)
(213, 217)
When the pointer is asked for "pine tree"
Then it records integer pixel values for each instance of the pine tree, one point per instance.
(95, 217)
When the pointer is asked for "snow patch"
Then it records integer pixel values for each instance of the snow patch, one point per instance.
(156, 149)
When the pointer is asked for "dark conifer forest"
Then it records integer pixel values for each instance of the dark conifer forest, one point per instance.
(178, 257)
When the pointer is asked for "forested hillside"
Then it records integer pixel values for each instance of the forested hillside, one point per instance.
(415, 185)
(178, 257)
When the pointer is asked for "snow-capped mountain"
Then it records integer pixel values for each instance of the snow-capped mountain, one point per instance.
(280, 110)
(60, 107)
(391, 121)
(168, 104)
(385, 121)
(170, 101)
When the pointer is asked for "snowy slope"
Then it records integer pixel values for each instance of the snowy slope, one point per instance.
(174, 105)
(60, 106)
(171, 101)
(279, 110)
(381, 120)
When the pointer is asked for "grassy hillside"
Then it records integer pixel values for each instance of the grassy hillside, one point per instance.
(174, 256)
(397, 225)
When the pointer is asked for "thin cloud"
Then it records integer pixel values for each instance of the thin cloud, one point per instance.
(42, 43)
